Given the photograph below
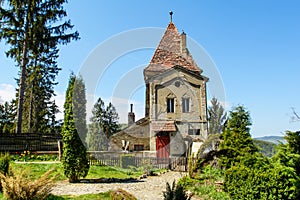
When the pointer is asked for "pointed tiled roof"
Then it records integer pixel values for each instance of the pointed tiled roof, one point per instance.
(171, 51)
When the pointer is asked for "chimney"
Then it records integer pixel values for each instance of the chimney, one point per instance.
(183, 45)
(131, 116)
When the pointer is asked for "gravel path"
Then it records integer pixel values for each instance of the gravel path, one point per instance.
(150, 188)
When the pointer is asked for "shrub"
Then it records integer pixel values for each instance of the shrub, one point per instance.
(4, 166)
(127, 161)
(4, 163)
(120, 194)
(175, 193)
(20, 187)
(273, 181)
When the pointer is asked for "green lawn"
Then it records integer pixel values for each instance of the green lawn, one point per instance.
(36, 170)
(95, 172)
(100, 196)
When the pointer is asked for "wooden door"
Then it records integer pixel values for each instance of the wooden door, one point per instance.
(163, 145)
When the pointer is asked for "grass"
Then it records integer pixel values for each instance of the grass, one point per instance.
(100, 196)
(203, 184)
(95, 172)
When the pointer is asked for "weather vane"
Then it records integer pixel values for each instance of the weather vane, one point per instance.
(171, 13)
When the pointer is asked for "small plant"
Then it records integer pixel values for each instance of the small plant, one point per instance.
(20, 187)
(120, 194)
(4, 166)
(176, 192)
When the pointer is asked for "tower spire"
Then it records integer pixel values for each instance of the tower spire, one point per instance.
(171, 18)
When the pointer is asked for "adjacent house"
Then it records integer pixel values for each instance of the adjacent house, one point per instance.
(175, 122)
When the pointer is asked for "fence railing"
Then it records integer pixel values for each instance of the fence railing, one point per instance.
(29, 142)
(111, 159)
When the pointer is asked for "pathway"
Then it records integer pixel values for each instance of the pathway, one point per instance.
(150, 188)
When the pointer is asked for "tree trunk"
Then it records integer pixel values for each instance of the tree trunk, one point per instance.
(22, 87)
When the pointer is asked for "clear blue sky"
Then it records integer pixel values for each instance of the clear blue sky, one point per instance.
(254, 44)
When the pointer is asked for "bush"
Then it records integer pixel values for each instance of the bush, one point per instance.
(120, 194)
(175, 193)
(269, 182)
(4, 163)
(20, 187)
(4, 166)
(127, 161)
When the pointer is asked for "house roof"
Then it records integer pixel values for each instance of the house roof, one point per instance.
(158, 126)
(171, 51)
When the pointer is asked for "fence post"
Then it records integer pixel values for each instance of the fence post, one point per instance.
(59, 144)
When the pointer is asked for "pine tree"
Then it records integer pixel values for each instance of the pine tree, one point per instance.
(32, 29)
(97, 138)
(74, 158)
(236, 137)
(111, 120)
(216, 117)
(7, 117)
(104, 123)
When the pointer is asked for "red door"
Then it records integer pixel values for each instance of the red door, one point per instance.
(163, 145)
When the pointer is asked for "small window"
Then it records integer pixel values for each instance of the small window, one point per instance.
(138, 147)
(194, 131)
(170, 105)
(185, 105)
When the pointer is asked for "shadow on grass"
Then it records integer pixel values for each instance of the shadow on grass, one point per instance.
(111, 180)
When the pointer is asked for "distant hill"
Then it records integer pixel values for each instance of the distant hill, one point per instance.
(272, 139)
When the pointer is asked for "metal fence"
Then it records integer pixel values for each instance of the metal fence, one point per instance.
(29, 142)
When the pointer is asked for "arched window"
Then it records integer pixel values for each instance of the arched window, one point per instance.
(170, 103)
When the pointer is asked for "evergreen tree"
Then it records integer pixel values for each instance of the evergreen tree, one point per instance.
(111, 120)
(104, 124)
(74, 158)
(289, 153)
(216, 117)
(79, 103)
(7, 117)
(236, 137)
(96, 139)
(32, 29)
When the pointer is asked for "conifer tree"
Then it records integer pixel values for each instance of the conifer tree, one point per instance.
(79, 103)
(236, 137)
(7, 117)
(32, 29)
(74, 158)
(216, 117)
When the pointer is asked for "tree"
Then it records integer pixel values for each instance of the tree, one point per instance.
(111, 120)
(104, 124)
(289, 153)
(7, 117)
(96, 139)
(216, 117)
(32, 29)
(74, 158)
(79, 103)
(236, 137)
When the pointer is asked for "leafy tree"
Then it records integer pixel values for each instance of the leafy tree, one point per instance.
(236, 137)
(79, 103)
(216, 117)
(74, 158)
(32, 29)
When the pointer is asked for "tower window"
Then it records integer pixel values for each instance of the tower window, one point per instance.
(170, 105)
(185, 105)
